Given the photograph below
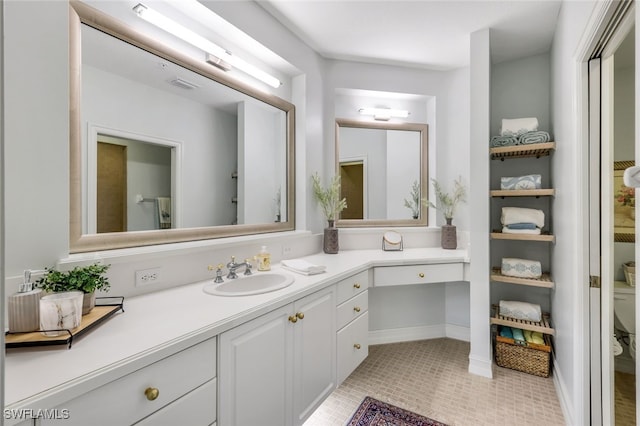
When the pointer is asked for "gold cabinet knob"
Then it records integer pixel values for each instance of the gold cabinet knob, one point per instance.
(300, 315)
(421, 274)
(357, 346)
(293, 318)
(356, 285)
(356, 308)
(151, 393)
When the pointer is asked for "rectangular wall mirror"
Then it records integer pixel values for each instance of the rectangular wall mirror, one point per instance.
(383, 172)
(165, 148)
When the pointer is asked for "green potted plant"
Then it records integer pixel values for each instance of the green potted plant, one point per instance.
(331, 203)
(86, 279)
(447, 203)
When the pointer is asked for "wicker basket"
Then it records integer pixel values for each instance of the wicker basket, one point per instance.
(522, 356)
(629, 269)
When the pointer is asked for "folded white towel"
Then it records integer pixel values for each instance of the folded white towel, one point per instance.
(520, 310)
(521, 268)
(511, 215)
(518, 126)
(302, 266)
(536, 231)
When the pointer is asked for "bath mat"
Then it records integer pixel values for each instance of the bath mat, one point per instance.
(372, 412)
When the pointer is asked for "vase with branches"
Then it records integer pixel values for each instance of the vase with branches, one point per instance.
(447, 204)
(331, 204)
(413, 203)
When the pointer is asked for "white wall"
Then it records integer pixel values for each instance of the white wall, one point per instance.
(260, 158)
(569, 267)
(401, 171)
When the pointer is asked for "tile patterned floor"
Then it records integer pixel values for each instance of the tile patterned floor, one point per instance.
(430, 377)
(625, 399)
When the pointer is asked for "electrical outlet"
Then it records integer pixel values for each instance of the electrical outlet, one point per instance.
(147, 276)
(286, 250)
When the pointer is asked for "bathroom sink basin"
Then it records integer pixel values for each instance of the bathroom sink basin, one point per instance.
(261, 282)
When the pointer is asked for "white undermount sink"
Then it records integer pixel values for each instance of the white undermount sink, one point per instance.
(258, 283)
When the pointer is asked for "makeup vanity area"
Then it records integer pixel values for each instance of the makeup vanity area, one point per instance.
(244, 352)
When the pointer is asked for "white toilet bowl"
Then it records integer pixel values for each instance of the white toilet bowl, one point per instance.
(624, 308)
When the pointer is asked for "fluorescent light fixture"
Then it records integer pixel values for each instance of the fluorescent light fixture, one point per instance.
(200, 42)
(384, 114)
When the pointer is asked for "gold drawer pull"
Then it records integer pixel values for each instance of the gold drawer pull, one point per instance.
(151, 393)
(357, 346)
(421, 274)
(300, 315)
(356, 285)
(356, 308)
(293, 318)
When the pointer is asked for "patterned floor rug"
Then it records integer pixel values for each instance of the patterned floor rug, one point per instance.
(372, 412)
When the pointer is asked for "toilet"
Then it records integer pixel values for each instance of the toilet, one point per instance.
(624, 299)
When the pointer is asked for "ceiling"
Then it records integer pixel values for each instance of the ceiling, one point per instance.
(431, 34)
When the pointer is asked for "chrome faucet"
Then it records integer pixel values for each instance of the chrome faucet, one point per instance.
(233, 266)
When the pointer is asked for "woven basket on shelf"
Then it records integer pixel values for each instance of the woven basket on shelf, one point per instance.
(629, 269)
(526, 357)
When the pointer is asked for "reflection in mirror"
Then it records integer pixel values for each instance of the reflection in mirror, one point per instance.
(383, 171)
(166, 148)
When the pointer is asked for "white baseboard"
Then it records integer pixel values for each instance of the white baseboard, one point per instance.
(481, 367)
(408, 334)
(561, 391)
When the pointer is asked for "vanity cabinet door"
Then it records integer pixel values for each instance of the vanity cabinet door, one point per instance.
(255, 376)
(314, 351)
(278, 368)
(353, 346)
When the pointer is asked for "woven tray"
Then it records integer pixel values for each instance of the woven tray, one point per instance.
(526, 357)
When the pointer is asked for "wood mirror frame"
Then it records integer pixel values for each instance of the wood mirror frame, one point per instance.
(423, 179)
(80, 13)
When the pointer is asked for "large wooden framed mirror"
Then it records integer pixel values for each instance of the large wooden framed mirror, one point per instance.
(194, 153)
(383, 170)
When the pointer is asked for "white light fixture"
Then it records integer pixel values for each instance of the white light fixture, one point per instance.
(200, 42)
(384, 114)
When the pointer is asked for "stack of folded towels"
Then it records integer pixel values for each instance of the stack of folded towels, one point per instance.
(519, 131)
(518, 220)
(303, 267)
(520, 310)
(521, 182)
(522, 335)
(521, 268)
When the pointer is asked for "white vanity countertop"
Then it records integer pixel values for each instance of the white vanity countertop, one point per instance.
(158, 324)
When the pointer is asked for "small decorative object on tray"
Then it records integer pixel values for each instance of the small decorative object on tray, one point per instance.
(104, 309)
(629, 269)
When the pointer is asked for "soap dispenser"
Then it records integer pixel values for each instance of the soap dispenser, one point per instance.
(24, 307)
(264, 259)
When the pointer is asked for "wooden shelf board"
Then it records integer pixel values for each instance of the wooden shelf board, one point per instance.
(520, 151)
(544, 281)
(543, 326)
(522, 237)
(523, 192)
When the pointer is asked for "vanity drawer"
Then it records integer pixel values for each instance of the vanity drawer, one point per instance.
(124, 402)
(417, 274)
(352, 308)
(353, 346)
(351, 286)
(198, 407)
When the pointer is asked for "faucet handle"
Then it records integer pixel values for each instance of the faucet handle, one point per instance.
(233, 259)
(247, 268)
